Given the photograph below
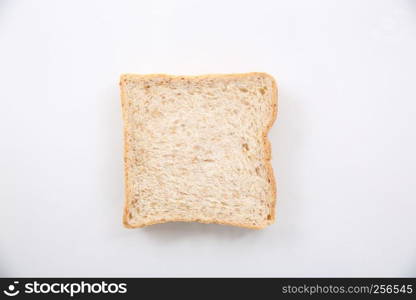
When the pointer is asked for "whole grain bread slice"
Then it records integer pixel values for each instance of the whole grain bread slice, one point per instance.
(196, 149)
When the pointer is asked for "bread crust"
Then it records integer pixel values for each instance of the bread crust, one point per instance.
(266, 144)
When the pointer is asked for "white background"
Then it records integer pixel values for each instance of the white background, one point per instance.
(344, 145)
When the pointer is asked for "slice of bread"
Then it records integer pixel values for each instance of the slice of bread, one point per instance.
(196, 149)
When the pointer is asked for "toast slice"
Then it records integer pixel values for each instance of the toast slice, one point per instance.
(196, 149)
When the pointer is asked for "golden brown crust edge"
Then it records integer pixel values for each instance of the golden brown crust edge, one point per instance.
(266, 144)
(268, 148)
(126, 145)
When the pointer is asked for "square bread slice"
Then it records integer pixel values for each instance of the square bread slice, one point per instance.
(196, 149)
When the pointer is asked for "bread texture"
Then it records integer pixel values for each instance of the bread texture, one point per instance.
(196, 149)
